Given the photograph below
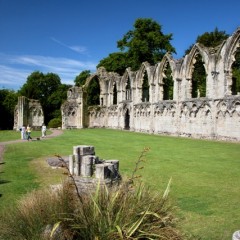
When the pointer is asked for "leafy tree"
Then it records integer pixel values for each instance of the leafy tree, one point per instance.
(145, 42)
(115, 62)
(93, 92)
(8, 101)
(48, 90)
(81, 78)
(210, 39)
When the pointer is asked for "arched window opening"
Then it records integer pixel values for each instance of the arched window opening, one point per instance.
(168, 84)
(128, 90)
(114, 93)
(93, 92)
(236, 74)
(145, 88)
(127, 120)
(198, 78)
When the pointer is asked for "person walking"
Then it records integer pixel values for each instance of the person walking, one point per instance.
(44, 130)
(28, 131)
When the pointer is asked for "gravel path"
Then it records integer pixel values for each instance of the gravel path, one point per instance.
(55, 132)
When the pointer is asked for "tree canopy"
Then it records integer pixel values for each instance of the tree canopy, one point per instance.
(210, 39)
(46, 88)
(81, 78)
(146, 42)
(8, 101)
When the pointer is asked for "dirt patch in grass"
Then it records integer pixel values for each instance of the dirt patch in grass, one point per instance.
(46, 174)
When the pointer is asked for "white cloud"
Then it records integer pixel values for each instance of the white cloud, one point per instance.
(78, 49)
(14, 70)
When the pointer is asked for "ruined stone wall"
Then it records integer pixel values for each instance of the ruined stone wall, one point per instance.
(28, 112)
(72, 109)
(215, 115)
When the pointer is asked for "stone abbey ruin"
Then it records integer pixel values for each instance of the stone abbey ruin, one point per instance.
(146, 101)
(141, 101)
(28, 111)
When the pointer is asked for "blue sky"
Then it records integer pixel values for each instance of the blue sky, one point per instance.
(68, 36)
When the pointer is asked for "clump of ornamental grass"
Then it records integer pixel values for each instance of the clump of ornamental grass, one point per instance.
(127, 211)
(35, 213)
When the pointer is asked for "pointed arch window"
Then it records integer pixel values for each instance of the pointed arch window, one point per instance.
(235, 88)
(145, 88)
(115, 93)
(128, 90)
(93, 92)
(168, 83)
(198, 78)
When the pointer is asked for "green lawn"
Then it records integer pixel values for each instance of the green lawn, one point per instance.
(205, 174)
(10, 135)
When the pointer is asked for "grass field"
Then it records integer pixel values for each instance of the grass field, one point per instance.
(205, 174)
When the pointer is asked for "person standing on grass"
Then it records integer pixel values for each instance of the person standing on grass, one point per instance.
(28, 131)
(23, 133)
(44, 130)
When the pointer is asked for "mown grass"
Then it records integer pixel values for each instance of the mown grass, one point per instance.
(9, 135)
(205, 178)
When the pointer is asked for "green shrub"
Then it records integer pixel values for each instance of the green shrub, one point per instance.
(55, 123)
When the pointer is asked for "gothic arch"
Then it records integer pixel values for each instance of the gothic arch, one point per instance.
(229, 51)
(160, 75)
(140, 74)
(167, 59)
(191, 59)
(127, 78)
(199, 87)
(231, 46)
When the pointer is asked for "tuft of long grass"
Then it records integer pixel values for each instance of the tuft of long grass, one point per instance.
(36, 212)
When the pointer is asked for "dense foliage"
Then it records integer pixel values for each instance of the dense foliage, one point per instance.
(46, 88)
(8, 101)
(146, 42)
(81, 78)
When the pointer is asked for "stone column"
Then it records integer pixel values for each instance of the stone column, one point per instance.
(87, 165)
(101, 171)
(71, 164)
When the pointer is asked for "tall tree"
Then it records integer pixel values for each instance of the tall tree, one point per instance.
(115, 62)
(43, 87)
(146, 42)
(8, 101)
(81, 78)
(210, 39)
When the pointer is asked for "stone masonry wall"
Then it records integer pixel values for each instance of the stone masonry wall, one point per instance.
(214, 116)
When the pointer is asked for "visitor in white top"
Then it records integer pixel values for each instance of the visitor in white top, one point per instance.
(44, 130)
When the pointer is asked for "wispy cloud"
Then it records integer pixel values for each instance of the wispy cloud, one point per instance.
(78, 49)
(14, 70)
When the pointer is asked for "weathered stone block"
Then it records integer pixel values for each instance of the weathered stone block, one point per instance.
(87, 165)
(83, 150)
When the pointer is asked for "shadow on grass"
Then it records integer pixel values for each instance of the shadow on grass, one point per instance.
(1, 163)
(4, 181)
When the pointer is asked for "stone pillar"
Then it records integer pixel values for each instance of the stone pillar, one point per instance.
(101, 171)
(77, 165)
(87, 165)
(71, 164)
